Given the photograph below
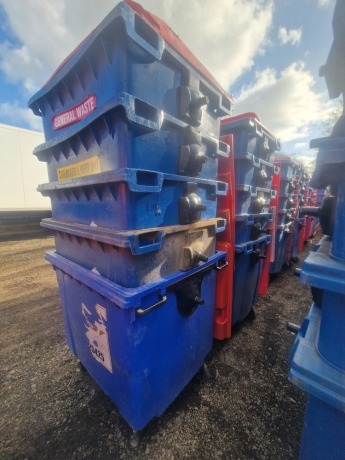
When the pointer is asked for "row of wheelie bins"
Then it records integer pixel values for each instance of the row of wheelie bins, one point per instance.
(253, 147)
(131, 122)
(164, 208)
(317, 359)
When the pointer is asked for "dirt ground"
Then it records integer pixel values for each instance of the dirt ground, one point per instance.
(50, 409)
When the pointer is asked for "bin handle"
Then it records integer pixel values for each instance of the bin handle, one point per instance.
(142, 312)
(219, 268)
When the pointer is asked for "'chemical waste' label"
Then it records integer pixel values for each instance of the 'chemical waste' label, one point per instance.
(82, 168)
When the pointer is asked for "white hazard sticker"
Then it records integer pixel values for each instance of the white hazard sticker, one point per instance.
(97, 334)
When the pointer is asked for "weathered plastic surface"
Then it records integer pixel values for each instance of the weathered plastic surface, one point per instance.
(126, 54)
(309, 370)
(323, 432)
(321, 271)
(302, 230)
(253, 200)
(248, 265)
(264, 277)
(226, 203)
(249, 227)
(130, 133)
(224, 291)
(250, 136)
(142, 346)
(281, 238)
(251, 170)
(132, 199)
(338, 247)
(330, 161)
(132, 259)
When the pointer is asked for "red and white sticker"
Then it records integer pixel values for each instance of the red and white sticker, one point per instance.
(97, 334)
(76, 113)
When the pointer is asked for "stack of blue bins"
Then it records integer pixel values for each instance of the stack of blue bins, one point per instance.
(299, 220)
(132, 147)
(285, 212)
(318, 354)
(253, 146)
(320, 194)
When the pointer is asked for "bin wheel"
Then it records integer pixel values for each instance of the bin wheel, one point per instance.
(206, 371)
(251, 315)
(134, 441)
(294, 260)
(82, 367)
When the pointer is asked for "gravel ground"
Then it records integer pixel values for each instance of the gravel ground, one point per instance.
(50, 409)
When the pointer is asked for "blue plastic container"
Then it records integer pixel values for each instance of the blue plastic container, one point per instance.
(286, 201)
(295, 229)
(280, 248)
(250, 136)
(132, 259)
(250, 227)
(321, 271)
(253, 200)
(125, 54)
(248, 266)
(142, 346)
(324, 424)
(132, 134)
(132, 199)
(255, 171)
(323, 432)
(284, 217)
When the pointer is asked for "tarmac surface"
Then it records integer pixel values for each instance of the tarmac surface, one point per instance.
(51, 409)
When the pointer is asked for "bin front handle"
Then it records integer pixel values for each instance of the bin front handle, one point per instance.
(218, 268)
(141, 311)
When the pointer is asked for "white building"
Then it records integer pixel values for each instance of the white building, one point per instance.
(20, 171)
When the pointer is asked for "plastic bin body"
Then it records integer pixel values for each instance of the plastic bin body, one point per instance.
(250, 227)
(324, 423)
(252, 200)
(141, 360)
(132, 134)
(255, 171)
(226, 203)
(281, 239)
(323, 432)
(224, 292)
(126, 54)
(302, 232)
(134, 259)
(225, 242)
(250, 136)
(248, 265)
(133, 199)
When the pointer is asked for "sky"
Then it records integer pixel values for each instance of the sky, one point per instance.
(266, 53)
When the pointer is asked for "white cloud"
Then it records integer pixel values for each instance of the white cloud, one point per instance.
(301, 145)
(285, 102)
(292, 36)
(324, 2)
(13, 113)
(225, 35)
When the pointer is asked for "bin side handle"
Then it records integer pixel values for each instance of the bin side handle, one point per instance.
(142, 312)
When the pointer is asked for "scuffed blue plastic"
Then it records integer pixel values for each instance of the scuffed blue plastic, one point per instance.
(246, 277)
(133, 134)
(128, 199)
(132, 259)
(151, 357)
(124, 54)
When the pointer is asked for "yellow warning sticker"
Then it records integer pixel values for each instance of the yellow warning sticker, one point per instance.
(80, 169)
